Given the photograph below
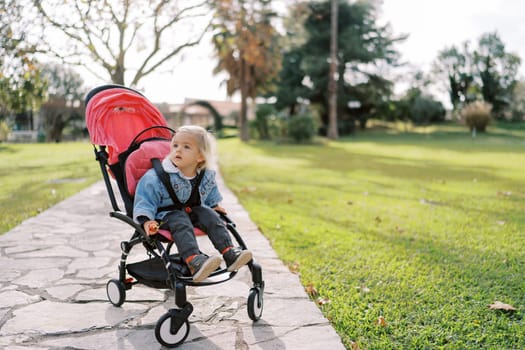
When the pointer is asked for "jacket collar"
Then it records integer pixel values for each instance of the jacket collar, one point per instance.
(168, 165)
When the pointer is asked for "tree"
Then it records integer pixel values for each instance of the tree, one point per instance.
(290, 82)
(111, 34)
(332, 82)
(290, 85)
(246, 45)
(497, 71)
(488, 72)
(454, 66)
(65, 95)
(518, 102)
(373, 97)
(21, 88)
(425, 110)
(362, 49)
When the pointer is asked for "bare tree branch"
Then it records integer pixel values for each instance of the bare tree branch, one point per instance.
(142, 71)
(106, 33)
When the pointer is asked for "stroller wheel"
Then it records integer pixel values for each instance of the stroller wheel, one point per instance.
(255, 304)
(116, 292)
(171, 330)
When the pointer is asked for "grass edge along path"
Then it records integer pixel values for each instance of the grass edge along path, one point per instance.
(402, 241)
(35, 176)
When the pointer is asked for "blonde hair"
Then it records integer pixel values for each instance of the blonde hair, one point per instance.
(204, 142)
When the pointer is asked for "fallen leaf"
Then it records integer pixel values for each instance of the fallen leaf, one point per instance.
(427, 201)
(354, 345)
(322, 301)
(504, 193)
(498, 305)
(381, 321)
(310, 289)
(294, 268)
(363, 289)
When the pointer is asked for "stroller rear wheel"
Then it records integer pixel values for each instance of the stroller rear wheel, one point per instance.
(116, 292)
(171, 330)
(255, 304)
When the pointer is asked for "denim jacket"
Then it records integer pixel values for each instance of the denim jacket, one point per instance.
(151, 193)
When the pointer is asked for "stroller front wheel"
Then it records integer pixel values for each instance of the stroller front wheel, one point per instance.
(116, 292)
(171, 330)
(255, 304)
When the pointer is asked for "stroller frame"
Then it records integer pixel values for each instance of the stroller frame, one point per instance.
(162, 269)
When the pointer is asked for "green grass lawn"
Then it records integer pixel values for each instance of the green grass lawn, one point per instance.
(403, 239)
(33, 177)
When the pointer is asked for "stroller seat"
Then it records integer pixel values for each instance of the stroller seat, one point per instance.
(127, 131)
(139, 161)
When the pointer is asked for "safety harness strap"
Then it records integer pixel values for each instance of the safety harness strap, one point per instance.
(194, 199)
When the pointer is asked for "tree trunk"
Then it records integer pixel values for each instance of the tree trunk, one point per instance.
(117, 76)
(332, 82)
(54, 127)
(244, 132)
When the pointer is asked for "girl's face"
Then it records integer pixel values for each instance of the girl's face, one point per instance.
(185, 153)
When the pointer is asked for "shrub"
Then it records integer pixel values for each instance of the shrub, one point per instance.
(425, 110)
(476, 115)
(261, 123)
(302, 127)
(267, 124)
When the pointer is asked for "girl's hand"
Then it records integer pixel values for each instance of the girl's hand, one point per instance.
(151, 227)
(220, 210)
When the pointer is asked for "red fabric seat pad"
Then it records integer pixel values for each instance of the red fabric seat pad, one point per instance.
(166, 234)
(139, 161)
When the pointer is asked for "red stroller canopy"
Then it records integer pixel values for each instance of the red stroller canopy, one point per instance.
(115, 116)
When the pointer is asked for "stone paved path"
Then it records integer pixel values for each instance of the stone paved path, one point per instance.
(54, 268)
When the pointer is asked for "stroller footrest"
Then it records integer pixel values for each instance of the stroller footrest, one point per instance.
(153, 273)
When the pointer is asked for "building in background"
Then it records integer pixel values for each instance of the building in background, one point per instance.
(194, 111)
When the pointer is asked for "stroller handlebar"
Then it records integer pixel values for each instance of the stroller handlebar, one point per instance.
(123, 217)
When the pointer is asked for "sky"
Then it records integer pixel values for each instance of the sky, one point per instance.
(432, 25)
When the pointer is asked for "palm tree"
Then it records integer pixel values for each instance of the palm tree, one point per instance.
(245, 43)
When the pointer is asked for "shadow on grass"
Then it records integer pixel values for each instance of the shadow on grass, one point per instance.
(424, 173)
(5, 148)
(339, 159)
(511, 140)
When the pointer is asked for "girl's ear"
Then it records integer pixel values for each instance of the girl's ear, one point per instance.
(201, 160)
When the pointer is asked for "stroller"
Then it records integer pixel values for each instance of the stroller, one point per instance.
(127, 132)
